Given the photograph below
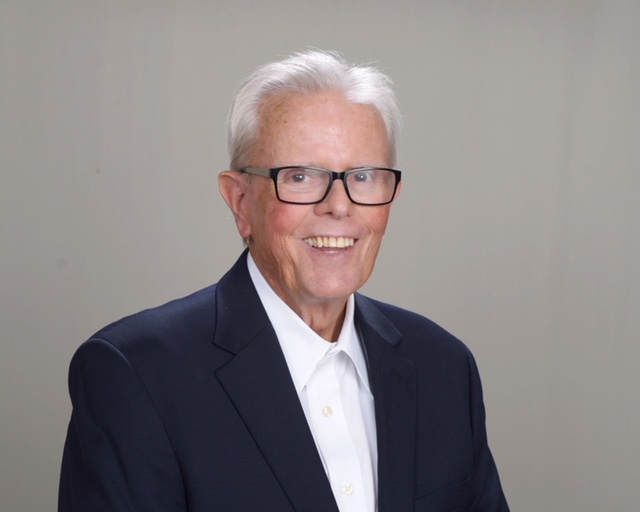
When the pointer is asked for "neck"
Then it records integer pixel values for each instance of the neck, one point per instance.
(324, 319)
(324, 316)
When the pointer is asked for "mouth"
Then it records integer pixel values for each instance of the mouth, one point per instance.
(329, 241)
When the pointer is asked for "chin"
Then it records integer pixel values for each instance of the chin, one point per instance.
(338, 290)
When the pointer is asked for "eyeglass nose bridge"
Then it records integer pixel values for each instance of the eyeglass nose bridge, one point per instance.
(339, 176)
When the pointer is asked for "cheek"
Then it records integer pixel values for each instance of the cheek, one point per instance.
(275, 222)
(378, 222)
(285, 219)
(377, 226)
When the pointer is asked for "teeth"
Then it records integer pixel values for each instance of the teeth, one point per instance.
(329, 241)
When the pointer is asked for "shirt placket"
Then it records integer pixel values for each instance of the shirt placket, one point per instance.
(333, 436)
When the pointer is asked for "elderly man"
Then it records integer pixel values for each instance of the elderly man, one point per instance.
(280, 388)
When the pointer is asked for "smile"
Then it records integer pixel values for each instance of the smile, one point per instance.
(329, 241)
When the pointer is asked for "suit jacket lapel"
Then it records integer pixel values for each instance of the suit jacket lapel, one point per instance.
(393, 383)
(258, 382)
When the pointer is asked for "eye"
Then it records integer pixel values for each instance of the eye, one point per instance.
(294, 176)
(298, 177)
(301, 176)
(361, 177)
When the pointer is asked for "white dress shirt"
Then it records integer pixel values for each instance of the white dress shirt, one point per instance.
(333, 386)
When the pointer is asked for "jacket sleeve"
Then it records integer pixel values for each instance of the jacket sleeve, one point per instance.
(487, 490)
(117, 455)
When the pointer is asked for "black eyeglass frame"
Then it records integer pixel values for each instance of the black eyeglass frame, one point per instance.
(274, 171)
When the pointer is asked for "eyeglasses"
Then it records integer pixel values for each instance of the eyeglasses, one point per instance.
(369, 186)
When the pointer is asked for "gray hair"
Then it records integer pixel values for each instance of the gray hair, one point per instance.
(309, 72)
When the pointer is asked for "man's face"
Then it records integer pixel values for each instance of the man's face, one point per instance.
(320, 130)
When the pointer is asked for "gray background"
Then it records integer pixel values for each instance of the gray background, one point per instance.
(517, 228)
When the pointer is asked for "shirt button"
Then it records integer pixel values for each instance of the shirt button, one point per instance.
(327, 411)
(347, 489)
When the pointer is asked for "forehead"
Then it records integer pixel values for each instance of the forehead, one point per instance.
(298, 122)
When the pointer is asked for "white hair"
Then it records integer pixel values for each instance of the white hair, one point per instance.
(307, 73)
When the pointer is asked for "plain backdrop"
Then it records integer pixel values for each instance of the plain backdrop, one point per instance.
(517, 230)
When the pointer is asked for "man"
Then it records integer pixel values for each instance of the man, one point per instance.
(280, 388)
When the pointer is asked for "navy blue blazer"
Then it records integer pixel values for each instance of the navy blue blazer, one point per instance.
(190, 407)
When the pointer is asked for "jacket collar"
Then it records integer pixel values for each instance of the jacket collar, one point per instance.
(393, 381)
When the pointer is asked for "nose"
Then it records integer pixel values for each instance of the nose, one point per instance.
(337, 202)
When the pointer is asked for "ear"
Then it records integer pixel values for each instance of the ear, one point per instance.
(233, 187)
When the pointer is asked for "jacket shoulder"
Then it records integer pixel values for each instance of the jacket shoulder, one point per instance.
(191, 315)
(416, 332)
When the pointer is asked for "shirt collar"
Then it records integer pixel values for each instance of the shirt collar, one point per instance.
(303, 349)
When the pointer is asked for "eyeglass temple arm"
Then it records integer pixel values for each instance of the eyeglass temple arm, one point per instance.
(257, 170)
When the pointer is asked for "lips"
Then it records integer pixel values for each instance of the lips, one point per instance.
(330, 241)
